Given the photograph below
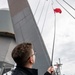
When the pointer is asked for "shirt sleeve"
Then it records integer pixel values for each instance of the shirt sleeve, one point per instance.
(47, 73)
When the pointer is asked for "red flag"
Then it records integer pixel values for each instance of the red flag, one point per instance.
(57, 10)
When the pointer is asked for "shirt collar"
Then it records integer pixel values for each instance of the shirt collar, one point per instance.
(32, 71)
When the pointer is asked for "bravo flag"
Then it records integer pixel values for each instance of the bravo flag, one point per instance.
(57, 10)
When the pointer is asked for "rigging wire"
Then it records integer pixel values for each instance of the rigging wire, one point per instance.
(41, 12)
(69, 5)
(66, 10)
(37, 7)
(45, 17)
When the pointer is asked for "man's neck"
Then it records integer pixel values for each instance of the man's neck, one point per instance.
(28, 66)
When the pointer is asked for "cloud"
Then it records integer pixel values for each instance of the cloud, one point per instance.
(67, 54)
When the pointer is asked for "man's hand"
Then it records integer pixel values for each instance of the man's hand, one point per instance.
(50, 70)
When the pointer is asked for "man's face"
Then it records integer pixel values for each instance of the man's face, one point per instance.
(33, 56)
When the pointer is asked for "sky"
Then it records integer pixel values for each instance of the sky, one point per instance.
(65, 31)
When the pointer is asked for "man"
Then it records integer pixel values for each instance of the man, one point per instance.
(24, 56)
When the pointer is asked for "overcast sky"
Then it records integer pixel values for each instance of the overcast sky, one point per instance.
(65, 31)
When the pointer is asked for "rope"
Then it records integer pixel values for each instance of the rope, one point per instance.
(41, 12)
(37, 7)
(45, 17)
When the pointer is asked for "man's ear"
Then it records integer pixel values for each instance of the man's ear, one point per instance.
(31, 59)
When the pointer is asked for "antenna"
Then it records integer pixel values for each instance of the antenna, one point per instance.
(58, 65)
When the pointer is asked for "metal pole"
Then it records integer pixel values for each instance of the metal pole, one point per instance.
(53, 39)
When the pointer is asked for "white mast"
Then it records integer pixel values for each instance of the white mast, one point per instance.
(26, 30)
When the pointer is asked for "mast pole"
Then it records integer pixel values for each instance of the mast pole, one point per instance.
(53, 39)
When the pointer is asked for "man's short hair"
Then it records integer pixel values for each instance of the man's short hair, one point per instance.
(21, 53)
